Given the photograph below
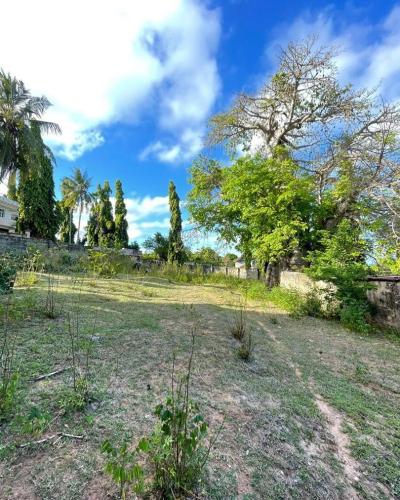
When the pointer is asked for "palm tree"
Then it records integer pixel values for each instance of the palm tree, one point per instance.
(76, 194)
(20, 115)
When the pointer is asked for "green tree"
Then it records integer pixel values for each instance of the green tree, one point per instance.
(206, 255)
(37, 206)
(121, 224)
(76, 193)
(20, 118)
(105, 217)
(67, 228)
(12, 187)
(93, 225)
(229, 259)
(134, 246)
(263, 205)
(175, 248)
(158, 244)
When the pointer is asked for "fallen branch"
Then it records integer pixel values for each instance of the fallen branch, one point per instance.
(51, 374)
(59, 435)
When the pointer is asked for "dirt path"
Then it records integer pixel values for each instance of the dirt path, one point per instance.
(334, 421)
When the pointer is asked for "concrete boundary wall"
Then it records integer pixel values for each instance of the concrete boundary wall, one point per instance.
(384, 296)
(10, 242)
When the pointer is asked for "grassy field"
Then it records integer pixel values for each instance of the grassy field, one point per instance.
(314, 414)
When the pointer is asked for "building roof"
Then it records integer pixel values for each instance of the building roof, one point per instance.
(6, 202)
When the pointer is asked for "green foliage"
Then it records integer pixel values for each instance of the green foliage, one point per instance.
(108, 262)
(264, 204)
(93, 225)
(34, 259)
(176, 448)
(76, 195)
(134, 246)
(27, 279)
(81, 351)
(175, 244)
(354, 315)
(35, 422)
(238, 326)
(287, 299)
(341, 261)
(67, 228)
(229, 259)
(121, 224)
(8, 390)
(12, 187)
(8, 271)
(58, 260)
(20, 123)
(158, 244)
(123, 468)
(246, 348)
(206, 255)
(387, 257)
(72, 400)
(37, 207)
(105, 217)
(8, 373)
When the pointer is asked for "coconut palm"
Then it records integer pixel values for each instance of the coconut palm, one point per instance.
(20, 114)
(76, 195)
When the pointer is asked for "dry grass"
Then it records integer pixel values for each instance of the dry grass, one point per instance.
(276, 443)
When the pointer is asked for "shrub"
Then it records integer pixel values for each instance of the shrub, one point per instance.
(342, 262)
(75, 399)
(109, 262)
(354, 314)
(63, 261)
(176, 449)
(123, 468)
(81, 350)
(34, 260)
(245, 350)
(8, 271)
(51, 309)
(27, 279)
(35, 422)
(239, 324)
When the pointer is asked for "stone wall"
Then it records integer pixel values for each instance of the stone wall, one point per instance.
(385, 297)
(297, 281)
(18, 243)
(235, 272)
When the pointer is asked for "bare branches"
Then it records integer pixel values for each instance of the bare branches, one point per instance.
(303, 93)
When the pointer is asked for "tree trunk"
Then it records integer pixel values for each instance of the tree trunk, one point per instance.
(79, 224)
(272, 274)
(70, 226)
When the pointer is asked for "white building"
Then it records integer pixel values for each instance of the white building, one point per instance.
(8, 215)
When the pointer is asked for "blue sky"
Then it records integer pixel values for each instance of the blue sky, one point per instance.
(133, 83)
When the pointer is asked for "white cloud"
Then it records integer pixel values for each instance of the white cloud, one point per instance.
(190, 143)
(369, 53)
(103, 62)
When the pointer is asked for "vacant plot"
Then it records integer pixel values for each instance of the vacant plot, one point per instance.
(314, 414)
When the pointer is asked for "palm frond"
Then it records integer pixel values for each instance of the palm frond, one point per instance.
(48, 127)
